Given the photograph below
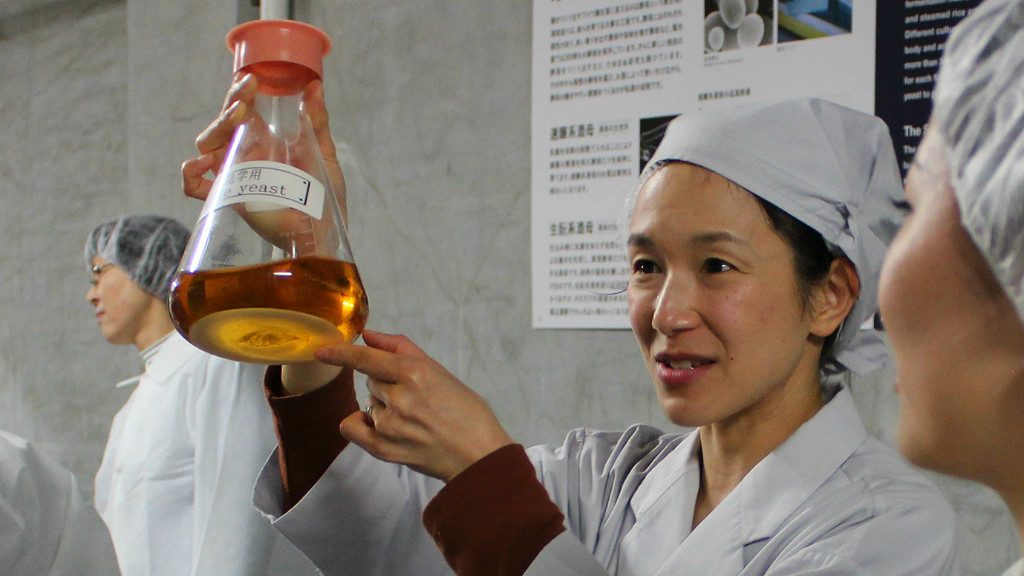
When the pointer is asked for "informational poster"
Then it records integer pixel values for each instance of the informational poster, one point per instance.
(608, 75)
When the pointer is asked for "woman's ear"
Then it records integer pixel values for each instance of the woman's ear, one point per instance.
(834, 297)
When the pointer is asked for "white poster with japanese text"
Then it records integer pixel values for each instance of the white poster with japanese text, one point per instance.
(607, 77)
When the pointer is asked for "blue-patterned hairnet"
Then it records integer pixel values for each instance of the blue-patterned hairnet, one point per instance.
(979, 110)
(148, 248)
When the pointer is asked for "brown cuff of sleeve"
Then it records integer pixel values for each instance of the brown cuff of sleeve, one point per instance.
(307, 429)
(495, 517)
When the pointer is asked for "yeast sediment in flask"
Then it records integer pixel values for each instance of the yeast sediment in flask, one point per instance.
(276, 312)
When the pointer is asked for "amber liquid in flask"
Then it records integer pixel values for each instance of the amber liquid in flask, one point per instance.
(280, 312)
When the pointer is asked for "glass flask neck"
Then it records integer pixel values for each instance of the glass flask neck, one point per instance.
(282, 114)
(281, 78)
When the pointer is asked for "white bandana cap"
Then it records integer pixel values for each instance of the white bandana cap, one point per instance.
(830, 167)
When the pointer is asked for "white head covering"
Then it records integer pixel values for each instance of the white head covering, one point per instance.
(830, 167)
(146, 247)
(979, 109)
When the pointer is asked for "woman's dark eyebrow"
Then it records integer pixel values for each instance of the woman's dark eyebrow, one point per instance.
(642, 241)
(639, 241)
(719, 236)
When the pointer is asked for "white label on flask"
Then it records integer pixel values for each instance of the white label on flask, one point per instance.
(264, 185)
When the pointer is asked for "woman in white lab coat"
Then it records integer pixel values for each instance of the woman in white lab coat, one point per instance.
(176, 479)
(953, 290)
(755, 241)
(45, 527)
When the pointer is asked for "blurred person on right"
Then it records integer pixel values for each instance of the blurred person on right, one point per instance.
(952, 292)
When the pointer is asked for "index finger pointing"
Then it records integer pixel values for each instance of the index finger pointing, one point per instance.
(377, 364)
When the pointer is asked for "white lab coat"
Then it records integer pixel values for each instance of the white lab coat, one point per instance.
(830, 500)
(175, 484)
(45, 527)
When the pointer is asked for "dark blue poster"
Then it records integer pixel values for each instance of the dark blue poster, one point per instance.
(911, 35)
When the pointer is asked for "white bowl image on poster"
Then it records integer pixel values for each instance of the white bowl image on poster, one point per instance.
(737, 24)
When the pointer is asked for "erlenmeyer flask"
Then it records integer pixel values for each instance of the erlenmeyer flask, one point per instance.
(268, 275)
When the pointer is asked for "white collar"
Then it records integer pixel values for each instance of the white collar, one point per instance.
(152, 349)
(161, 357)
(800, 464)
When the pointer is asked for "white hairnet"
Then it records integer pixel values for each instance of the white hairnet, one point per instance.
(979, 109)
(830, 167)
(148, 248)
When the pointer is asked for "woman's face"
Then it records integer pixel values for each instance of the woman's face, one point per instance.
(713, 300)
(955, 335)
(121, 306)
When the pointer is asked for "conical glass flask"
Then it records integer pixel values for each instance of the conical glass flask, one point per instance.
(268, 275)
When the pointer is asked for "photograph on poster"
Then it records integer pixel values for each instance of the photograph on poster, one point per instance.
(735, 24)
(809, 19)
(652, 130)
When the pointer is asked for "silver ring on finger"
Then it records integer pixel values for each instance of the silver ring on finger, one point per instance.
(374, 403)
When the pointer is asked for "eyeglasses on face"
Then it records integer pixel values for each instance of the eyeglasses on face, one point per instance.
(98, 269)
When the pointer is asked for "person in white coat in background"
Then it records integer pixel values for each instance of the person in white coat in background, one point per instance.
(175, 484)
(45, 527)
(756, 240)
(953, 286)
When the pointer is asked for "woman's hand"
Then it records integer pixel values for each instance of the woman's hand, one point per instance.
(212, 143)
(420, 415)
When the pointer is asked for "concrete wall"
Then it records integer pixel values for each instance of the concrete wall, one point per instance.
(63, 168)
(100, 102)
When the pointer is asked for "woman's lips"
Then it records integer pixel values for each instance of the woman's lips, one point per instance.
(679, 370)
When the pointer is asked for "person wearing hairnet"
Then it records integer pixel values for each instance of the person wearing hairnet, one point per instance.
(952, 291)
(756, 239)
(176, 479)
(45, 527)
